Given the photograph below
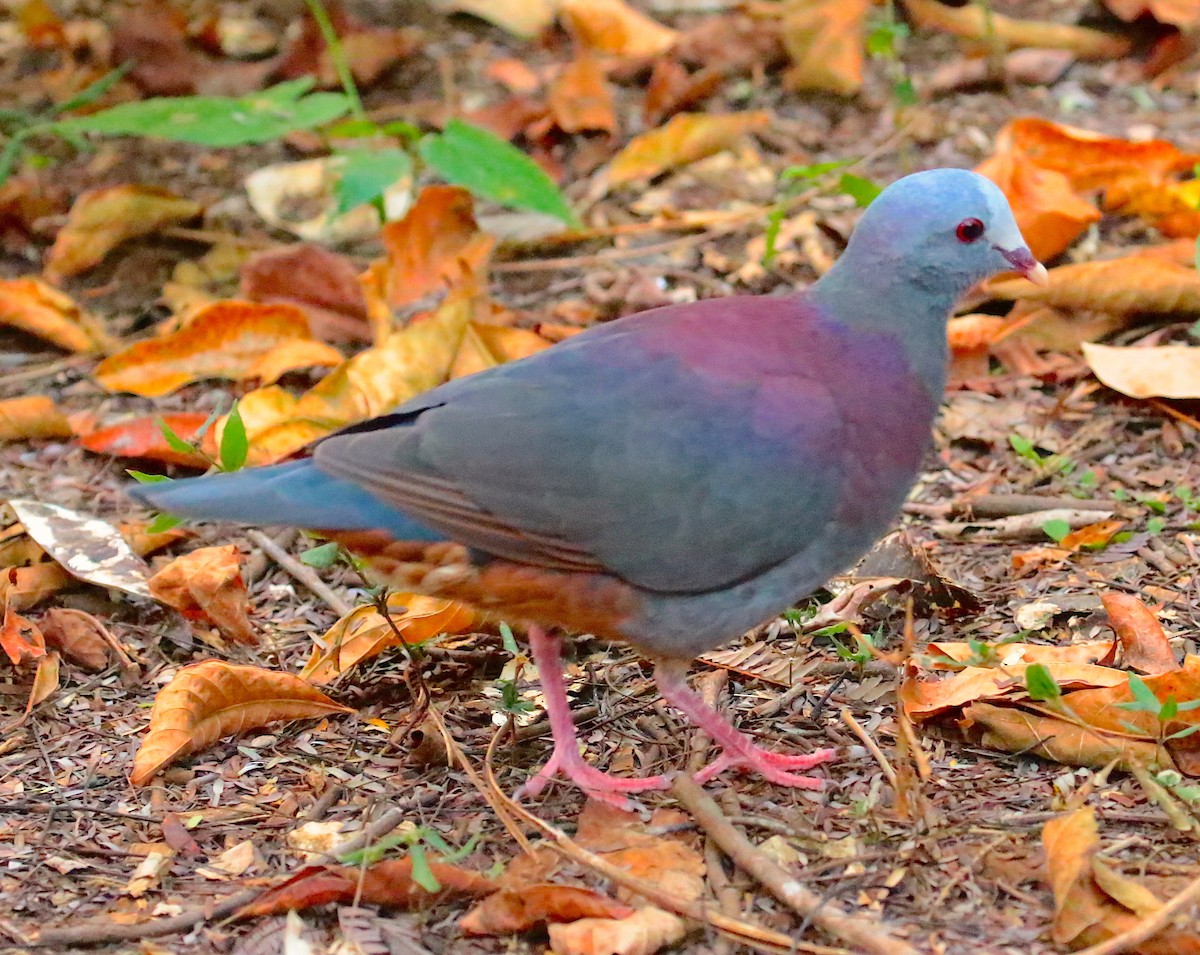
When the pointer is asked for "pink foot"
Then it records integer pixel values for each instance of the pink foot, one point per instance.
(565, 759)
(738, 749)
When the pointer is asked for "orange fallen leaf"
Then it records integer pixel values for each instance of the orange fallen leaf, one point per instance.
(436, 246)
(614, 27)
(1169, 371)
(826, 41)
(78, 635)
(580, 100)
(292, 356)
(1090, 651)
(485, 346)
(213, 699)
(206, 585)
(1145, 645)
(644, 932)
(39, 309)
(34, 416)
(1049, 212)
(363, 633)
(101, 219)
(143, 438)
(228, 339)
(683, 139)
(1132, 283)
(41, 25)
(20, 638)
(45, 681)
(1184, 14)
(510, 911)
(1173, 208)
(25, 587)
(389, 883)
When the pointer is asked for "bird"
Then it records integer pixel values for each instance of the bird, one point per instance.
(670, 479)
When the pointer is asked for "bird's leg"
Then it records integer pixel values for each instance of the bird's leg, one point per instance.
(546, 650)
(739, 749)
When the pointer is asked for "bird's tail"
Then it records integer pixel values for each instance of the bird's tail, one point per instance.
(294, 493)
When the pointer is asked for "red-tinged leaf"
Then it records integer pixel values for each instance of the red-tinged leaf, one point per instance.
(176, 835)
(80, 637)
(143, 438)
(20, 639)
(1144, 644)
(45, 681)
(322, 283)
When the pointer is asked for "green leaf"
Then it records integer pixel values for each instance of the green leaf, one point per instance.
(163, 522)
(1024, 447)
(1144, 700)
(173, 440)
(421, 873)
(1169, 710)
(1186, 731)
(1189, 705)
(815, 170)
(143, 478)
(861, 190)
(771, 235)
(1056, 530)
(1155, 525)
(234, 444)
(217, 120)
(93, 91)
(490, 167)
(326, 555)
(1040, 684)
(510, 643)
(364, 175)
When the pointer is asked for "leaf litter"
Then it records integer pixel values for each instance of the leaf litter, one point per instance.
(697, 153)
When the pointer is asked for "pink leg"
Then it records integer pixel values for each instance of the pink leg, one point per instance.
(739, 749)
(546, 651)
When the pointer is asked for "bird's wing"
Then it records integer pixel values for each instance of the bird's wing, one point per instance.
(681, 450)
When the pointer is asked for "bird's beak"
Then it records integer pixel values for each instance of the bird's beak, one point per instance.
(1022, 260)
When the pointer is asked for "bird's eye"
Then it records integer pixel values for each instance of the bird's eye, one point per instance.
(969, 230)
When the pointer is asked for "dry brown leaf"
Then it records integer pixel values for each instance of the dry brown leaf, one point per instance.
(39, 309)
(1144, 644)
(322, 283)
(363, 633)
(78, 635)
(518, 910)
(925, 699)
(614, 27)
(209, 700)
(580, 100)
(825, 40)
(1048, 211)
(642, 933)
(1090, 651)
(522, 17)
(1132, 283)
(207, 585)
(45, 681)
(292, 356)
(436, 246)
(34, 416)
(228, 339)
(975, 23)
(25, 587)
(1169, 371)
(101, 219)
(684, 139)
(1184, 14)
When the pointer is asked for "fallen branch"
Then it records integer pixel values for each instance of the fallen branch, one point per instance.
(870, 938)
(1021, 526)
(306, 575)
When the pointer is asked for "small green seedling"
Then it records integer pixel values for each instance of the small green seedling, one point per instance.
(1046, 463)
(511, 703)
(415, 841)
(1145, 701)
(1056, 530)
(795, 179)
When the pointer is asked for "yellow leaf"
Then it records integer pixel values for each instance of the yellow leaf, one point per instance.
(228, 339)
(615, 28)
(292, 355)
(38, 309)
(485, 346)
(1133, 283)
(825, 40)
(1170, 371)
(684, 139)
(209, 700)
(101, 219)
(32, 417)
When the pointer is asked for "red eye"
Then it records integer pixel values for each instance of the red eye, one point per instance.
(969, 230)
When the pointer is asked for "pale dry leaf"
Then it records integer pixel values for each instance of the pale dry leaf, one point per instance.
(646, 931)
(213, 699)
(1169, 371)
(616, 28)
(825, 40)
(1132, 283)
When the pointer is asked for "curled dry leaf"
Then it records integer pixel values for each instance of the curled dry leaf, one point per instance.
(1169, 371)
(510, 911)
(213, 699)
(1132, 283)
(228, 339)
(34, 416)
(1173, 208)
(580, 100)
(79, 636)
(974, 23)
(825, 40)
(143, 438)
(25, 587)
(522, 17)
(45, 681)
(323, 284)
(1145, 646)
(42, 310)
(207, 585)
(388, 883)
(363, 633)
(1184, 14)
(91, 549)
(20, 638)
(485, 346)
(642, 933)
(615, 28)
(101, 219)
(684, 139)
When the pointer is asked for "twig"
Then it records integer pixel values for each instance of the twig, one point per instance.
(872, 747)
(1151, 925)
(1020, 526)
(369, 833)
(50, 368)
(34, 806)
(710, 686)
(861, 935)
(306, 575)
(100, 933)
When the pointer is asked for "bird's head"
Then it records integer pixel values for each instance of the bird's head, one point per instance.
(946, 229)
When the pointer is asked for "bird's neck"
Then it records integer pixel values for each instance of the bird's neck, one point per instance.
(878, 296)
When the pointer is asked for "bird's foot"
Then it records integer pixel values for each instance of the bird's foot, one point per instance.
(771, 766)
(596, 783)
(738, 749)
